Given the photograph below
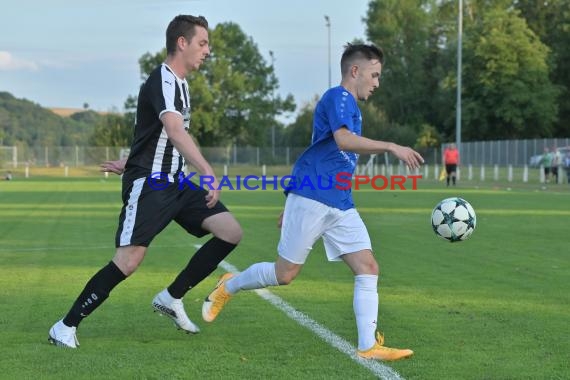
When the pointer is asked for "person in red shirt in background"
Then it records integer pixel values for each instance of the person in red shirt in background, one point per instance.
(451, 160)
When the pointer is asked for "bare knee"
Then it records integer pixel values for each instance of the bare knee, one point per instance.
(233, 234)
(128, 259)
(286, 272)
(129, 268)
(362, 262)
(371, 268)
(286, 278)
(225, 227)
(369, 265)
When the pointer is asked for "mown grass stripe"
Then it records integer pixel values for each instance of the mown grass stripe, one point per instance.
(83, 209)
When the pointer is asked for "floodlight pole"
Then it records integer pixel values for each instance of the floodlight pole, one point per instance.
(459, 58)
(328, 25)
(273, 104)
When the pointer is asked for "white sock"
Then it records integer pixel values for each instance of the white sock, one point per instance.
(365, 306)
(257, 276)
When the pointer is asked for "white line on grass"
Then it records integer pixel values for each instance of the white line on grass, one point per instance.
(379, 369)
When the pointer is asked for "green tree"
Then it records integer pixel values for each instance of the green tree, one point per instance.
(507, 92)
(111, 130)
(233, 95)
(4, 120)
(86, 117)
(376, 125)
(428, 137)
(550, 20)
(506, 89)
(299, 132)
(402, 28)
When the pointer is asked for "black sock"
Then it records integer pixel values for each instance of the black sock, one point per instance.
(447, 181)
(453, 179)
(95, 292)
(204, 262)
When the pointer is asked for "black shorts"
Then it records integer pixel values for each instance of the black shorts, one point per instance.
(450, 168)
(148, 210)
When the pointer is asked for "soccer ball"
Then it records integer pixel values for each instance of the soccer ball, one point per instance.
(453, 219)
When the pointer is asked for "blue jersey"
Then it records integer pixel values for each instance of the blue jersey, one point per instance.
(316, 171)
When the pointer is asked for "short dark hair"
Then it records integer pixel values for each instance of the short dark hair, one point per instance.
(182, 26)
(359, 51)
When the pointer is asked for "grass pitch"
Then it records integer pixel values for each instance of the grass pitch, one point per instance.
(493, 307)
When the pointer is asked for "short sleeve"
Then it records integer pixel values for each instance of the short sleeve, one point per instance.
(163, 93)
(340, 109)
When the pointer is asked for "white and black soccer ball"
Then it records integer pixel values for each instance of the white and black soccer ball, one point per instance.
(453, 219)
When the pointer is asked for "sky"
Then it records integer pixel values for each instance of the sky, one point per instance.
(66, 53)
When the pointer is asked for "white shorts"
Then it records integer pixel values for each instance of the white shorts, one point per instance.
(306, 220)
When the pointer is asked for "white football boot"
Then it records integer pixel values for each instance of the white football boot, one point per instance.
(63, 336)
(174, 309)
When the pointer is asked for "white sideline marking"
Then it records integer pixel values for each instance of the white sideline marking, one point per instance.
(379, 369)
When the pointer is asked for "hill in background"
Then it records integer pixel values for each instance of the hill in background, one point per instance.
(67, 112)
(25, 123)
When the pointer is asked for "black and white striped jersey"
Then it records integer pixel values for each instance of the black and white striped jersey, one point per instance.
(151, 151)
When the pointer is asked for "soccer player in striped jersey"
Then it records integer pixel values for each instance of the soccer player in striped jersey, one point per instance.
(312, 212)
(152, 197)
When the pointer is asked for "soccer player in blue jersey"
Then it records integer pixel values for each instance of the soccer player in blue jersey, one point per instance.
(312, 212)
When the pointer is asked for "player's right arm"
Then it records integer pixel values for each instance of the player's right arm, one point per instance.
(174, 127)
(117, 167)
(351, 142)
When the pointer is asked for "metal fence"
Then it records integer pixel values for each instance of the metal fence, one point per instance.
(506, 152)
(478, 153)
(55, 156)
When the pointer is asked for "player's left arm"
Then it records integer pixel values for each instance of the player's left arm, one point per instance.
(351, 142)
